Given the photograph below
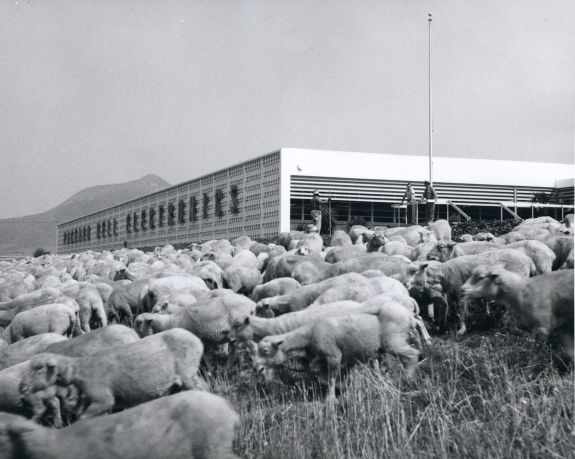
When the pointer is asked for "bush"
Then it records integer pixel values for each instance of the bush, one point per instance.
(325, 219)
(40, 252)
(356, 220)
(495, 227)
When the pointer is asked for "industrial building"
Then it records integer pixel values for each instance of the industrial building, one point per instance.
(270, 194)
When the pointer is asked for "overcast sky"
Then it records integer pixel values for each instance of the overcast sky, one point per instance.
(98, 92)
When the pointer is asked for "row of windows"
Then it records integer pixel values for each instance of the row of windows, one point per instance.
(147, 218)
(106, 228)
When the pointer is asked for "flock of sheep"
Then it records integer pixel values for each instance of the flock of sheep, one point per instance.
(126, 331)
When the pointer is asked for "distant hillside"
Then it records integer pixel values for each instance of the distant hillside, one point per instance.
(26, 234)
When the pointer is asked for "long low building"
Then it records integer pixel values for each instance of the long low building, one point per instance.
(271, 193)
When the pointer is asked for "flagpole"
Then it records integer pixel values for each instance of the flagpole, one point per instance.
(430, 112)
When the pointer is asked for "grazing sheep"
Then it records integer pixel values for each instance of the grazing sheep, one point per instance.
(48, 318)
(241, 279)
(276, 287)
(441, 282)
(356, 232)
(541, 255)
(282, 266)
(94, 341)
(91, 306)
(27, 348)
(466, 238)
(303, 297)
(544, 303)
(37, 297)
(157, 288)
(252, 328)
(173, 302)
(345, 338)
(119, 377)
(362, 291)
(209, 320)
(338, 254)
(397, 248)
(309, 268)
(413, 235)
(341, 239)
(285, 238)
(210, 272)
(191, 424)
(10, 397)
(562, 247)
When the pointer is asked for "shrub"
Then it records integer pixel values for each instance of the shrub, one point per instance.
(40, 252)
(325, 219)
(495, 227)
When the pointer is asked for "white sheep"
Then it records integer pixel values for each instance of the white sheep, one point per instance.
(544, 303)
(344, 338)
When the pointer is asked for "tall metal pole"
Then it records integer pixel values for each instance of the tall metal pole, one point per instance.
(430, 112)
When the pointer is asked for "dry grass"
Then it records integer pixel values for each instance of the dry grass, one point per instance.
(469, 399)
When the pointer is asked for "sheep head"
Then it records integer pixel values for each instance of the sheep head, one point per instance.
(442, 252)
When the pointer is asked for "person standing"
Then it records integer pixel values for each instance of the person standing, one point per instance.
(429, 195)
(316, 207)
(409, 197)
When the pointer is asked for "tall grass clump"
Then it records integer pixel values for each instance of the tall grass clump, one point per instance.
(469, 399)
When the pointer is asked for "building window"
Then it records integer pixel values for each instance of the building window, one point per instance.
(218, 203)
(136, 229)
(181, 213)
(160, 216)
(89, 233)
(234, 196)
(115, 223)
(152, 218)
(128, 223)
(98, 230)
(171, 216)
(205, 206)
(143, 221)
(192, 212)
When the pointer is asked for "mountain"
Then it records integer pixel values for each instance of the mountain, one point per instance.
(23, 235)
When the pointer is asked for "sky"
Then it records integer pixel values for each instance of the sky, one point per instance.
(101, 92)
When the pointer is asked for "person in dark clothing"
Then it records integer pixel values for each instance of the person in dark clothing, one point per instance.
(316, 207)
(409, 197)
(429, 195)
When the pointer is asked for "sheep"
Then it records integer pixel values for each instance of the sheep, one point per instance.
(308, 269)
(209, 320)
(241, 279)
(191, 424)
(26, 348)
(562, 247)
(119, 377)
(157, 288)
(303, 297)
(37, 297)
(281, 266)
(49, 318)
(397, 248)
(356, 232)
(90, 305)
(376, 240)
(251, 328)
(210, 272)
(466, 238)
(541, 255)
(312, 241)
(544, 303)
(362, 291)
(441, 229)
(413, 235)
(276, 287)
(10, 397)
(441, 282)
(92, 342)
(284, 239)
(173, 302)
(346, 338)
(337, 254)
(340, 239)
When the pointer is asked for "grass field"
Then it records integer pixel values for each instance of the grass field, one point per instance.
(469, 399)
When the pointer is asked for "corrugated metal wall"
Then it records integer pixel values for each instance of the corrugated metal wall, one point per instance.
(343, 189)
(258, 200)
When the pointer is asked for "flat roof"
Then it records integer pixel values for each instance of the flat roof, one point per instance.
(384, 166)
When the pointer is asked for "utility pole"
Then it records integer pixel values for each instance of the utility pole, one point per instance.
(430, 112)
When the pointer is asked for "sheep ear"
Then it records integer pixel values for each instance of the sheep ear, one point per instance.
(247, 321)
(451, 244)
(423, 266)
(276, 344)
(148, 320)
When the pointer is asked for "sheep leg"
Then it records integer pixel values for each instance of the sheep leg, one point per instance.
(463, 306)
(333, 363)
(540, 338)
(207, 358)
(567, 341)
(442, 308)
(53, 405)
(231, 355)
(85, 319)
(102, 400)
(420, 326)
(37, 405)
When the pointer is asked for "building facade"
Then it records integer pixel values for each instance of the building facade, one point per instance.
(270, 194)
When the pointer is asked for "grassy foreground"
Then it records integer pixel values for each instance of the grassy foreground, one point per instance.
(469, 399)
